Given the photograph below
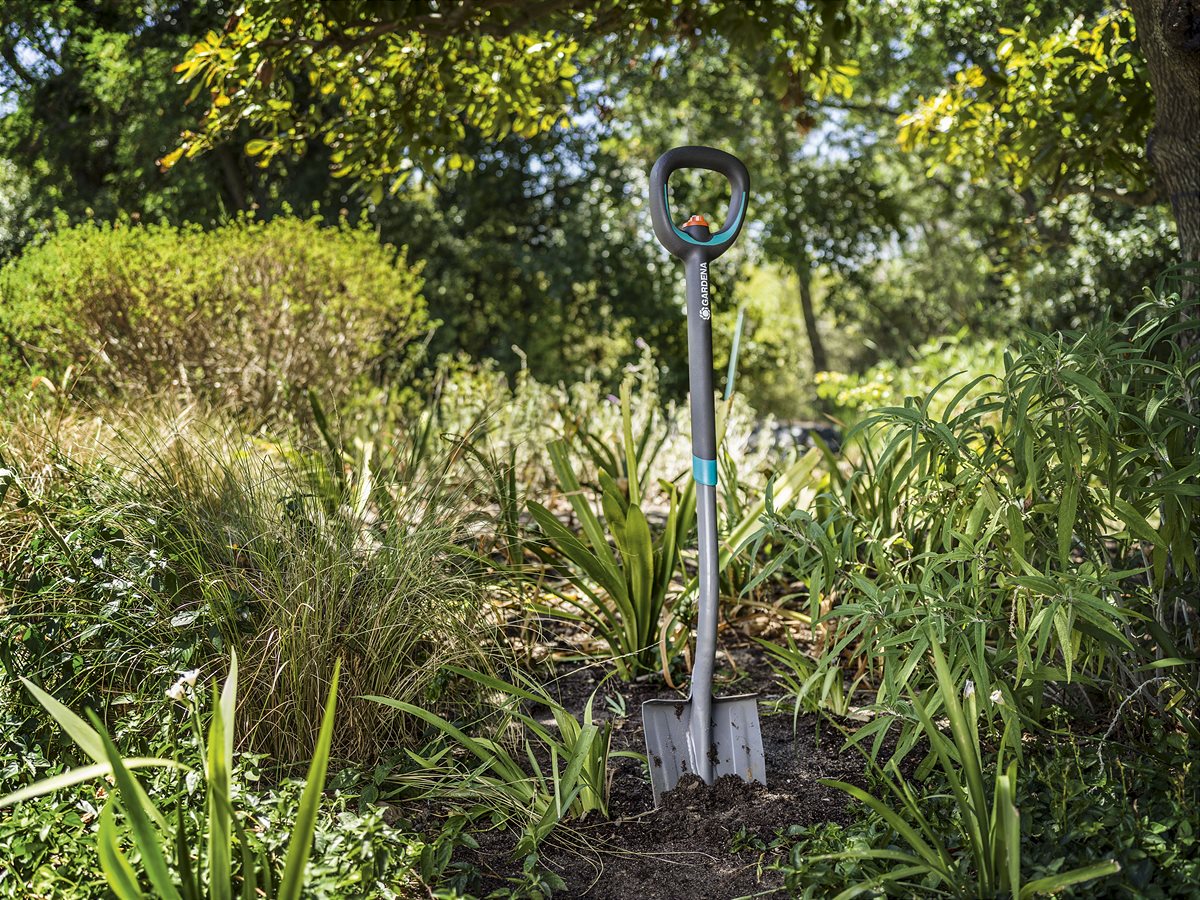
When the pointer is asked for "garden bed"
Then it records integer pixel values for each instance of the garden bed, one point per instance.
(704, 841)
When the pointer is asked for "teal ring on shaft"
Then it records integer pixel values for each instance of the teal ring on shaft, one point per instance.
(704, 470)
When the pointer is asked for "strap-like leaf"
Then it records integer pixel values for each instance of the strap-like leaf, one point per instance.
(141, 822)
(305, 825)
(119, 874)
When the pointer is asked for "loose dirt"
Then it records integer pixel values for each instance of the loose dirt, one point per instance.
(701, 842)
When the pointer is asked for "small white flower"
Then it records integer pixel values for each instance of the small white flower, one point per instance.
(996, 696)
(181, 690)
(968, 689)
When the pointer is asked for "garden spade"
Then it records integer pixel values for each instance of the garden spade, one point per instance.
(703, 735)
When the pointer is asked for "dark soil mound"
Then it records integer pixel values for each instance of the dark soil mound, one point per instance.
(685, 849)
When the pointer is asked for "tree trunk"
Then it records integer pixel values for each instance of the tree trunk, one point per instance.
(232, 177)
(1168, 32)
(800, 260)
(804, 276)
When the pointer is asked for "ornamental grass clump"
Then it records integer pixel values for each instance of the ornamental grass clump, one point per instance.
(172, 537)
(297, 557)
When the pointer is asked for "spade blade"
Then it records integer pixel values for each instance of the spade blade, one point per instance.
(736, 739)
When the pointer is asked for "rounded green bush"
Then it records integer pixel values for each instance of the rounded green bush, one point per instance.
(245, 313)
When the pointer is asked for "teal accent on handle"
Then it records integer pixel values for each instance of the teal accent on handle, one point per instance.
(716, 238)
(704, 470)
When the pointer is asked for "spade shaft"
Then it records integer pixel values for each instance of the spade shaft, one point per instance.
(704, 470)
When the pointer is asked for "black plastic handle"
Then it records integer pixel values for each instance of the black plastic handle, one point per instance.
(679, 242)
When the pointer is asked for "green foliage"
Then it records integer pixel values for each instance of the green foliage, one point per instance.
(1044, 531)
(851, 395)
(1076, 806)
(1133, 803)
(246, 314)
(985, 859)
(89, 108)
(1065, 103)
(301, 557)
(530, 264)
(194, 538)
(810, 688)
(178, 865)
(621, 596)
(563, 777)
(391, 89)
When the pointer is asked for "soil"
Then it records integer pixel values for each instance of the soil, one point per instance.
(686, 848)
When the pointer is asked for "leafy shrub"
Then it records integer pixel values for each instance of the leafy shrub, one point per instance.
(984, 859)
(1134, 804)
(1045, 531)
(246, 312)
(887, 383)
(524, 418)
(538, 796)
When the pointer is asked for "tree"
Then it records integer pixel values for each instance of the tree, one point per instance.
(1169, 36)
(394, 88)
(89, 107)
(536, 256)
(1065, 104)
(1058, 106)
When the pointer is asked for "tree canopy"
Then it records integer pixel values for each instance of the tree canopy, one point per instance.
(917, 166)
(394, 88)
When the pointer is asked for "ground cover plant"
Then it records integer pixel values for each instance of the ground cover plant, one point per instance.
(347, 490)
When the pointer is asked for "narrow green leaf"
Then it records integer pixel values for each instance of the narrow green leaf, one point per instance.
(1067, 509)
(137, 809)
(305, 825)
(1054, 883)
(89, 741)
(79, 775)
(220, 767)
(119, 874)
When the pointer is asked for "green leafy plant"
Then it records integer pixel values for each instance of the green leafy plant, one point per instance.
(811, 688)
(616, 460)
(987, 862)
(563, 776)
(1039, 527)
(296, 556)
(621, 595)
(180, 865)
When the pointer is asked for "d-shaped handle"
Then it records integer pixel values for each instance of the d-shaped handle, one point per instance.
(679, 242)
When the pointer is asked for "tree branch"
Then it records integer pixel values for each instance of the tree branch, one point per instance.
(1147, 197)
(8, 53)
(865, 106)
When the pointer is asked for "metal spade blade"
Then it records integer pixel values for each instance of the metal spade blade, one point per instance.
(672, 744)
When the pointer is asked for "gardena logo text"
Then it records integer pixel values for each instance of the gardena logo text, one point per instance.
(705, 312)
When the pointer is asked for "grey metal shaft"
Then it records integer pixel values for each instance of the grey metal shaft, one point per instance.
(704, 449)
(706, 631)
